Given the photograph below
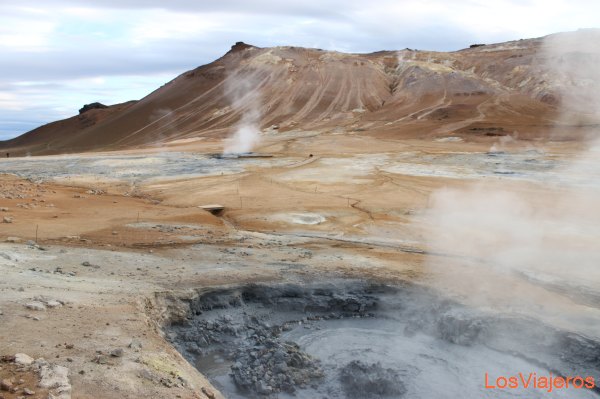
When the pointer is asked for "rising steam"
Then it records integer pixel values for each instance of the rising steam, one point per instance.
(243, 90)
(510, 242)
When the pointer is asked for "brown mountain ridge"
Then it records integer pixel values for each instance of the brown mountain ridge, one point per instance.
(478, 92)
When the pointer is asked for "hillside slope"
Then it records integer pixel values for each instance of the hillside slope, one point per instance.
(481, 91)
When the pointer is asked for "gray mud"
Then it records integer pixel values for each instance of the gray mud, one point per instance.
(353, 339)
(130, 168)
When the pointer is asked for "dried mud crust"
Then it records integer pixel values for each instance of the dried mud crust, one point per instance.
(247, 333)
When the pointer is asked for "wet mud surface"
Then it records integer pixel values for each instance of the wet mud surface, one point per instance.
(356, 339)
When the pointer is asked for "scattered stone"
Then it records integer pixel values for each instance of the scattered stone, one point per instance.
(95, 192)
(101, 359)
(53, 304)
(148, 375)
(7, 219)
(2, 209)
(55, 378)
(135, 344)
(28, 392)
(39, 306)
(6, 385)
(117, 352)
(209, 394)
(13, 239)
(23, 359)
(86, 264)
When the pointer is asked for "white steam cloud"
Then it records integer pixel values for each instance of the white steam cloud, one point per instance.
(243, 90)
(517, 244)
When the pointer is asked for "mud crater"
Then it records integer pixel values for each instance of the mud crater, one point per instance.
(351, 339)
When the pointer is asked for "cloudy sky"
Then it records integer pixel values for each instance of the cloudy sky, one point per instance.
(56, 55)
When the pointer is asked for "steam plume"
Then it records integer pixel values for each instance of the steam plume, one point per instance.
(244, 93)
(514, 240)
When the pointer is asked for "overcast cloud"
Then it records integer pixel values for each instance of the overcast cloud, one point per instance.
(56, 55)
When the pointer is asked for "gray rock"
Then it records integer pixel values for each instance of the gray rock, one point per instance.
(53, 304)
(117, 352)
(7, 219)
(54, 377)
(23, 359)
(39, 306)
(135, 344)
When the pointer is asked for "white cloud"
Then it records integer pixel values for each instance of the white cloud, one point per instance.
(22, 34)
(163, 25)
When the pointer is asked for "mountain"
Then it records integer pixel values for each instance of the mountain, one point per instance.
(482, 91)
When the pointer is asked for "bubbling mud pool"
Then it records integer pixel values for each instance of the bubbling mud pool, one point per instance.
(357, 339)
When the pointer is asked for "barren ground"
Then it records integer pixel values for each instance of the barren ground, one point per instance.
(117, 248)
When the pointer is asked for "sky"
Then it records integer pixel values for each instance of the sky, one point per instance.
(57, 55)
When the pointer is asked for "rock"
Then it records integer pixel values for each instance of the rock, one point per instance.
(23, 359)
(55, 378)
(13, 239)
(117, 352)
(101, 359)
(86, 264)
(239, 46)
(39, 306)
(53, 304)
(28, 392)
(209, 394)
(135, 344)
(3, 209)
(95, 105)
(7, 219)
(6, 385)
(148, 375)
